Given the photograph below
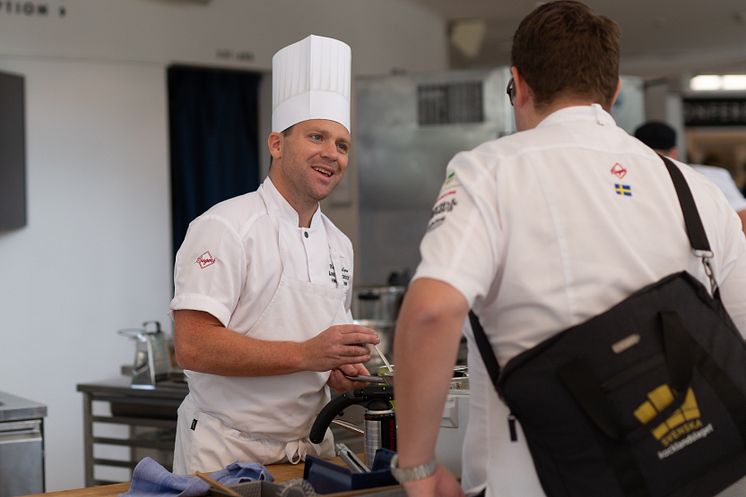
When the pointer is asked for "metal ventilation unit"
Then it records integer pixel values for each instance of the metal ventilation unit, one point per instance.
(452, 103)
(408, 128)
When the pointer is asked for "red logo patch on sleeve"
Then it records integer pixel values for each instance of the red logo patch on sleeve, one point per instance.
(618, 170)
(205, 260)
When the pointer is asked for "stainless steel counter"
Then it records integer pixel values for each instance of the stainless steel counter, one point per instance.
(14, 408)
(21, 445)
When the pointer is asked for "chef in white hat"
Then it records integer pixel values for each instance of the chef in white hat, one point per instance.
(263, 285)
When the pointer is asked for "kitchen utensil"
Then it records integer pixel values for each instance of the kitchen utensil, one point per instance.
(348, 426)
(350, 459)
(382, 380)
(383, 358)
(380, 428)
(385, 376)
(152, 359)
(385, 331)
(297, 488)
(216, 484)
(379, 424)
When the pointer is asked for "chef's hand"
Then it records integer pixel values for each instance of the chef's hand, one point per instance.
(337, 379)
(337, 345)
(441, 484)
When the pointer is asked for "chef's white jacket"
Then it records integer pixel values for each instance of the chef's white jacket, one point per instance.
(722, 179)
(228, 265)
(542, 230)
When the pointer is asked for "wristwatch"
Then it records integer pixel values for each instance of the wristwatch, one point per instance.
(412, 474)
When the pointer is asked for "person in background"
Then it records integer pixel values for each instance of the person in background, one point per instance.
(662, 138)
(263, 285)
(548, 227)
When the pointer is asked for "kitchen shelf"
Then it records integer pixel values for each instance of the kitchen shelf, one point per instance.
(115, 463)
(121, 420)
(148, 414)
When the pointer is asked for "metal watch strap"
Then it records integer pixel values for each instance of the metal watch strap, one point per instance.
(415, 473)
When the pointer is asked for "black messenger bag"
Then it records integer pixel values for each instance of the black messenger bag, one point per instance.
(647, 399)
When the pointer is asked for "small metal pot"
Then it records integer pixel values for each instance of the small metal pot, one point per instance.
(380, 303)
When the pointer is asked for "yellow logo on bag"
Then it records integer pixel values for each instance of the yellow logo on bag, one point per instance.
(682, 422)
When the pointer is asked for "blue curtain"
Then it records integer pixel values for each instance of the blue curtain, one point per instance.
(213, 127)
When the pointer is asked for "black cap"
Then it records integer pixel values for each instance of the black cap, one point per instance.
(657, 135)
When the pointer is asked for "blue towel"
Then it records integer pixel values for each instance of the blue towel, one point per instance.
(150, 479)
(241, 472)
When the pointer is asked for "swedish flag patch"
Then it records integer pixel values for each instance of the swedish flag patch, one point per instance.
(621, 189)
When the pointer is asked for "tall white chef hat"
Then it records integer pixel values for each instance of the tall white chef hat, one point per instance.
(311, 80)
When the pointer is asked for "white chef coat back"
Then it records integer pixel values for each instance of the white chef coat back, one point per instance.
(722, 178)
(229, 266)
(546, 228)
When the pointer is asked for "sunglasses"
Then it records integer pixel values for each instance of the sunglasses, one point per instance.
(510, 90)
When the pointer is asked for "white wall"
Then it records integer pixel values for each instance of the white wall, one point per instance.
(95, 256)
(383, 34)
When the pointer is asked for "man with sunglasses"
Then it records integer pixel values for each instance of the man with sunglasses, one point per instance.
(547, 228)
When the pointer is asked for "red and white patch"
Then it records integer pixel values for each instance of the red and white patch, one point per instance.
(618, 170)
(205, 260)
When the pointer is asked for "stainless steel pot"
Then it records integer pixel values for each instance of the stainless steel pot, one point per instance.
(380, 303)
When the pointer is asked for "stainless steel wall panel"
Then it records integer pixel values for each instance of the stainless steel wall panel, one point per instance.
(402, 163)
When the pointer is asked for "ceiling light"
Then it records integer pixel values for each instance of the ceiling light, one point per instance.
(705, 82)
(734, 82)
(717, 82)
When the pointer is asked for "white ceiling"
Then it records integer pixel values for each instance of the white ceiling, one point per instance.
(660, 38)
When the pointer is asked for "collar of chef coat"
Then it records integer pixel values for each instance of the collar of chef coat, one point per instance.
(579, 113)
(279, 206)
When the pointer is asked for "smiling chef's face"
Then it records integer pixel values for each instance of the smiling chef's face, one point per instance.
(310, 160)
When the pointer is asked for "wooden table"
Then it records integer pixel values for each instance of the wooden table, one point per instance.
(281, 472)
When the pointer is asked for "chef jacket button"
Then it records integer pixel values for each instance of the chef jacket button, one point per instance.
(305, 233)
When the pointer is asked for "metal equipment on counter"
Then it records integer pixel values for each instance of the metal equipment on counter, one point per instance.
(380, 423)
(378, 303)
(21, 446)
(152, 357)
(453, 421)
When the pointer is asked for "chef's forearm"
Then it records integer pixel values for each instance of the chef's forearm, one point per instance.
(203, 344)
(425, 348)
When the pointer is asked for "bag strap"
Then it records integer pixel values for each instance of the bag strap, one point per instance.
(695, 231)
(485, 349)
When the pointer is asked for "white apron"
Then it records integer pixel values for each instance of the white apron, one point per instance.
(264, 419)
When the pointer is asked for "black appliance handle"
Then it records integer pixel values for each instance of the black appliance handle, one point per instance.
(347, 399)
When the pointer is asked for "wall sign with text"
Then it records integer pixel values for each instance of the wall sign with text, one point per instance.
(29, 8)
(721, 111)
